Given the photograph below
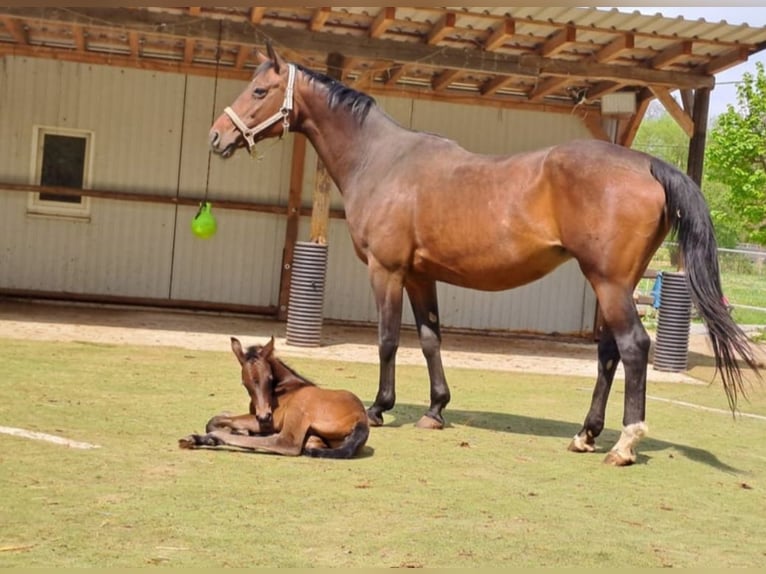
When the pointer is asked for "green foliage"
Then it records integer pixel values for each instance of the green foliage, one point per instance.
(727, 220)
(736, 154)
(661, 136)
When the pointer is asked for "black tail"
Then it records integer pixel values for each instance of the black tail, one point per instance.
(691, 224)
(351, 444)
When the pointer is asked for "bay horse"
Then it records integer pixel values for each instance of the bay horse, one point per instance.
(422, 209)
(289, 414)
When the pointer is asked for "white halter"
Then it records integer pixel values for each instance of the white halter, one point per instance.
(283, 114)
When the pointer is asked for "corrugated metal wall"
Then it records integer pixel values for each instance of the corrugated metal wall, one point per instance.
(151, 137)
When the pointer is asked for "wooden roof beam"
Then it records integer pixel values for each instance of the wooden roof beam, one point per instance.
(603, 88)
(615, 48)
(494, 84)
(134, 43)
(527, 66)
(628, 134)
(442, 28)
(500, 35)
(189, 46)
(559, 41)
(319, 18)
(547, 86)
(256, 15)
(16, 29)
(78, 34)
(676, 112)
(444, 79)
(671, 55)
(727, 60)
(195, 10)
(393, 74)
(382, 21)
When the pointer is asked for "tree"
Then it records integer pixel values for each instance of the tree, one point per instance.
(736, 154)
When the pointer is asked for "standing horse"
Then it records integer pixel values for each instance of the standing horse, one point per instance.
(288, 413)
(421, 209)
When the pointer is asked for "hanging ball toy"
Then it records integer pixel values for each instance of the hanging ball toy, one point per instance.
(203, 225)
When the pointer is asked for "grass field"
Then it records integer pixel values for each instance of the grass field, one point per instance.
(495, 488)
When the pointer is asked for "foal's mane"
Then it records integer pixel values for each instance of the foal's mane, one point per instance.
(339, 94)
(284, 384)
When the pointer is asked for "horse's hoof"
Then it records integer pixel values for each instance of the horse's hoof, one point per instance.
(427, 422)
(614, 458)
(187, 442)
(374, 419)
(581, 444)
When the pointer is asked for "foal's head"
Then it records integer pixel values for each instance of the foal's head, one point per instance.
(257, 377)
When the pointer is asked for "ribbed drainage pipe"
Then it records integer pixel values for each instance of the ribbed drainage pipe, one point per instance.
(304, 312)
(671, 349)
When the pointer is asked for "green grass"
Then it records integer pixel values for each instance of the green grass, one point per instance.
(495, 488)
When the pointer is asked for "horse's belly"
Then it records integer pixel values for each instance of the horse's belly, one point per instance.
(490, 269)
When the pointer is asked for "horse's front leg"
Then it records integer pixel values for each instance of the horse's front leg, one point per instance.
(387, 289)
(425, 307)
(237, 424)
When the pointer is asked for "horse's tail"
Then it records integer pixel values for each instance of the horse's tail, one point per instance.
(690, 222)
(348, 448)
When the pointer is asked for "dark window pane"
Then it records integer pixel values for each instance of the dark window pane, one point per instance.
(63, 165)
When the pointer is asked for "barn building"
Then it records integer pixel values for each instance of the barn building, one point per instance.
(104, 158)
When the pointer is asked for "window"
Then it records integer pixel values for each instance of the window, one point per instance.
(61, 158)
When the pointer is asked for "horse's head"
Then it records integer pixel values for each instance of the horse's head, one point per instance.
(257, 378)
(261, 111)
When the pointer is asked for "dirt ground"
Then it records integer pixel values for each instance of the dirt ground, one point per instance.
(53, 321)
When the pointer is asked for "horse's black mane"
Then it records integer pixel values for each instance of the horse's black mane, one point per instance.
(339, 94)
(296, 380)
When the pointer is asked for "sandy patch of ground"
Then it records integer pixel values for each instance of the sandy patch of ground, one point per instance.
(46, 321)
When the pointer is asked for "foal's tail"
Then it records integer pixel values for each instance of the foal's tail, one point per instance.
(690, 222)
(354, 441)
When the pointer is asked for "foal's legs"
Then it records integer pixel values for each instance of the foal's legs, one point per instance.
(608, 359)
(387, 289)
(422, 294)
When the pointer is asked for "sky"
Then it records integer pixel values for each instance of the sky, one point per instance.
(725, 91)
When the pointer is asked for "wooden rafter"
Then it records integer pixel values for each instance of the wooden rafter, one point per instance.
(559, 41)
(615, 48)
(78, 34)
(494, 84)
(546, 87)
(444, 79)
(442, 28)
(393, 74)
(189, 46)
(382, 21)
(672, 55)
(16, 29)
(256, 15)
(243, 53)
(500, 35)
(318, 18)
(727, 60)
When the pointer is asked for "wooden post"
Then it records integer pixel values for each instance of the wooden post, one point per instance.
(293, 222)
(696, 157)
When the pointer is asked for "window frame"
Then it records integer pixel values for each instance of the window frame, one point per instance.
(51, 208)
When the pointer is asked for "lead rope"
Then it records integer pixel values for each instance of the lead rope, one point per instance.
(212, 115)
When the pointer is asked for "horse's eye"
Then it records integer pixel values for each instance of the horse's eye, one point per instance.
(259, 92)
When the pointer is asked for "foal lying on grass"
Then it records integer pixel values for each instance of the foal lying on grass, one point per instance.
(288, 413)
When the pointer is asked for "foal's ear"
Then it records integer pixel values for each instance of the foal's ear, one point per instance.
(274, 57)
(268, 348)
(236, 346)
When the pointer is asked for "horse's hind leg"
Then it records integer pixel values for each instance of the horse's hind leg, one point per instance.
(608, 359)
(422, 295)
(633, 343)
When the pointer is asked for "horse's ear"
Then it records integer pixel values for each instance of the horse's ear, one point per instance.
(268, 348)
(279, 63)
(236, 346)
(261, 57)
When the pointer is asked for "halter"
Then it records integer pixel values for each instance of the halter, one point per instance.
(283, 114)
